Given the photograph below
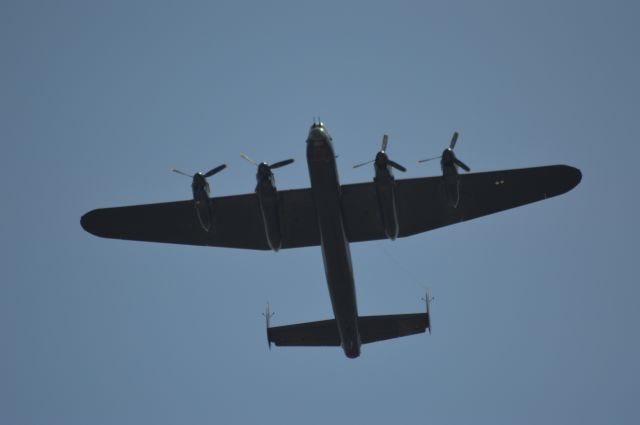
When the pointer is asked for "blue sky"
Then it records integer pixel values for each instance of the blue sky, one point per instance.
(535, 308)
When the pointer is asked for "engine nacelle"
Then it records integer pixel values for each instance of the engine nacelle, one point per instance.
(385, 190)
(201, 192)
(451, 185)
(202, 202)
(204, 213)
(268, 200)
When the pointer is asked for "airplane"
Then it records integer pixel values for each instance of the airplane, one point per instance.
(331, 215)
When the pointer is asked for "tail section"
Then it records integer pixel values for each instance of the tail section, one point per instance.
(380, 328)
(267, 316)
(372, 328)
(427, 299)
(312, 334)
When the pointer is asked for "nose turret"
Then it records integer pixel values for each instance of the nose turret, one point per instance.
(318, 133)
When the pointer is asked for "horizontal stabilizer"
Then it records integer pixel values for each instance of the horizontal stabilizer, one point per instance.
(372, 328)
(311, 334)
(379, 328)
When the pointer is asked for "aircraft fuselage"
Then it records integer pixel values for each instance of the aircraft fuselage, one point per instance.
(325, 188)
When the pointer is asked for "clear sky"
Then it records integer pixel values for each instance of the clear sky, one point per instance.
(535, 314)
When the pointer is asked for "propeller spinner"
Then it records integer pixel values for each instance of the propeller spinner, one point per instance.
(448, 158)
(382, 160)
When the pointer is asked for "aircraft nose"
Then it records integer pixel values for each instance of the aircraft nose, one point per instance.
(317, 134)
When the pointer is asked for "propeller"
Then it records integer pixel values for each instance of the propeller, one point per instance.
(382, 159)
(180, 172)
(272, 166)
(448, 156)
(454, 140)
(209, 173)
(215, 170)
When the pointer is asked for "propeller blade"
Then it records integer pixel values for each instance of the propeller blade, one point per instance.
(215, 170)
(397, 166)
(461, 164)
(364, 163)
(281, 163)
(180, 172)
(385, 141)
(454, 139)
(429, 159)
(243, 155)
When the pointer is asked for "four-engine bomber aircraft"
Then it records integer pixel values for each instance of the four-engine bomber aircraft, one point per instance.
(333, 215)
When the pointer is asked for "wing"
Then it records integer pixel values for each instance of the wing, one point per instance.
(237, 222)
(423, 203)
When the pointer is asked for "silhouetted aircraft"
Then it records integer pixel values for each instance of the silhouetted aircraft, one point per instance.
(333, 215)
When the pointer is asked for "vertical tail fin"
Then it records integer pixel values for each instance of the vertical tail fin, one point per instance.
(267, 316)
(427, 299)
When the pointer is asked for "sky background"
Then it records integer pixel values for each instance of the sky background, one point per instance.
(535, 312)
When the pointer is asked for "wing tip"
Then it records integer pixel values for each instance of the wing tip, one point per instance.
(572, 177)
(89, 223)
(85, 222)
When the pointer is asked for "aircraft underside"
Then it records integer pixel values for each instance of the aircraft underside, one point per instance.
(332, 216)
